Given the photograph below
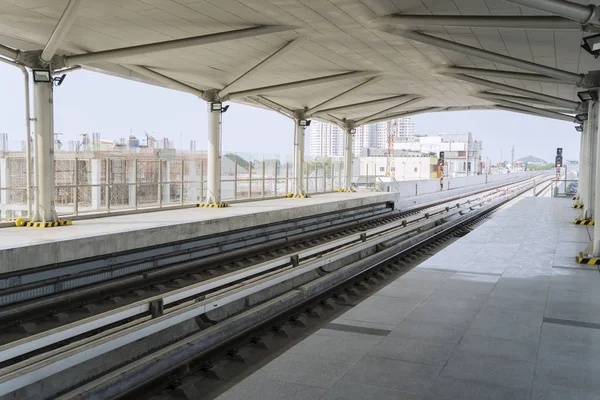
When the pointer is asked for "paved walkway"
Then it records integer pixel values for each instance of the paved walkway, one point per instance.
(503, 313)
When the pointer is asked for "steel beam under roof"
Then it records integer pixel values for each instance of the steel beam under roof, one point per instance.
(481, 21)
(500, 74)
(288, 112)
(61, 29)
(290, 46)
(175, 84)
(388, 111)
(344, 94)
(485, 54)
(110, 55)
(509, 97)
(403, 114)
(500, 86)
(299, 84)
(585, 14)
(535, 110)
(367, 103)
(522, 111)
(8, 52)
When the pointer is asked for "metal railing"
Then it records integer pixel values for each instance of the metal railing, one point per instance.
(107, 184)
(564, 187)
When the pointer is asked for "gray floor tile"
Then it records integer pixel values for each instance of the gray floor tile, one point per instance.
(260, 387)
(499, 315)
(381, 309)
(348, 390)
(306, 370)
(336, 347)
(410, 378)
(569, 374)
(430, 330)
(491, 370)
(503, 330)
(363, 324)
(414, 350)
(495, 347)
(543, 391)
(443, 315)
(455, 389)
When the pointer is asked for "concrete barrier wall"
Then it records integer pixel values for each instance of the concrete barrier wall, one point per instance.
(421, 187)
(429, 190)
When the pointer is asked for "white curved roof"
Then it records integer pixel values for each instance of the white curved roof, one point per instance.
(340, 36)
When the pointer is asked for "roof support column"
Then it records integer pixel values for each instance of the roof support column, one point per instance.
(299, 131)
(213, 193)
(582, 162)
(590, 162)
(595, 131)
(349, 137)
(44, 152)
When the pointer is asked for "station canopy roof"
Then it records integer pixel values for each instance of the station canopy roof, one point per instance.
(345, 61)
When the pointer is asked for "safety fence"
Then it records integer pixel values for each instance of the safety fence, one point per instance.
(92, 183)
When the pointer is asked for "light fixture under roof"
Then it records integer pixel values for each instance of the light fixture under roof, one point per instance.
(581, 117)
(591, 44)
(579, 128)
(588, 95)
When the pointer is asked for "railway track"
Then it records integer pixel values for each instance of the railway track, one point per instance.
(28, 358)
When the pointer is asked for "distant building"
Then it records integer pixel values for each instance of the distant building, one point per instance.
(462, 154)
(327, 140)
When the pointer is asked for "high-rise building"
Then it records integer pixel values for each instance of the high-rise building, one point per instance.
(327, 140)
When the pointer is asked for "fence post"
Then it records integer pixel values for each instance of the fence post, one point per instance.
(160, 187)
(263, 178)
(201, 181)
(249, 179)
(182, 181)
(108, 184)
(76, 196)
(287, 177)
(276, 170)
(135, 184)
(235, 178)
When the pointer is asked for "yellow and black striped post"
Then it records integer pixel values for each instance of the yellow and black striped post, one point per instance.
(210, 205)
(577, 205)
(584, 222)
(60, 222)
(587, 260)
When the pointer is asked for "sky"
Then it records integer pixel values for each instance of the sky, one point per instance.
(89, 102)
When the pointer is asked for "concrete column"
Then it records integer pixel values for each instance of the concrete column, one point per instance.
(298, 158)
(594, 130)
(348, 159)
(44, 152)
(96, 165)
(213, 176)
(581, 161)
(589, 181)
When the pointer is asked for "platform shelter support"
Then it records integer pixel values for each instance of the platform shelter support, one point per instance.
(349, 136)
(44, 150)
(582, 167)
(213, 175)
(593, 113)
(299, 132)
(589, 179)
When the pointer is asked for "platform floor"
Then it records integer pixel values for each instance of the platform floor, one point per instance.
(502, 313)
(23, 247)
